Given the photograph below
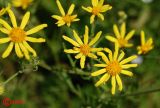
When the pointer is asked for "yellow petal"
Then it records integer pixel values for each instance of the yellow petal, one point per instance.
(128, 59)
(36, 29)
(70, 51)
(95, 39)
(71, 41)
(109, 52)
(88, 9)
(100, 3)
(111, 38)
(82, 61)
(100, 65)
(4, 30)
(4, 40)
(71, 9)
(94, 2)
(101, 16)
(18, 51)
(78, 56)
(60, 7)
(57, 17)
(25, 20)
(92, 19)
(31, 39)
(126, 72)
(104, 79)
(142, 38)
(104, 57)
(13, 18)
(5, 24)
(96, 49)
(105, 8)
(116, 31)
(99, 72)
(129, 66)
(8, 50)
(123, 29)
(121, 56)
(25, 51)
(113, 83)
(86, 35)
(91, 55)
(119, 82)
(130, 35)
(78, 39)
(128, 45)
(150, 41)
(29, 48)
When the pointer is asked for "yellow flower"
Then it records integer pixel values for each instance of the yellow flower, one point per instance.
(97, 9)
(65, 18)
(18, 37)
(22, 3)
(121, 39)
(145, 46)
(3, 10)
(84, 49)
(114, 66)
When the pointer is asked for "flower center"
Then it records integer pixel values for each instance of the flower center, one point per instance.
(25, 2)
(113, 68)
(85, 49)
(67, 18)
(122, 42)
(145, 48)
(17, 35)
(96, 10)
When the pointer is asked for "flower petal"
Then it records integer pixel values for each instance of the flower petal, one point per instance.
(121, 56)
(95, 39)
(18, 51)
(29, 48)
(60, 7)
(142, 38)
(104, 57)
(130, 35)
(113, 83)
(128, 59)
(86, 35)
(25, 20)
(70, 51)
(103, 79)
(25, 51)
(116, 31)
(5, 24)
(12, 17)
(71, 41)
(91, 55)
(123, 29)
(94, 2)
(92, 19)
(36, 29)
(100, 65)
(111, 38)
(78, 56)
(4, 40)
(96, 49)
(82, 61)
(105, 8)
(109, 52)
(78, 39)
(119, 82)
(4, 30)
(8, 50)
(101, 16)
(88, 9)
(57, 17)
(126, 72)
(31, 39)
(99, 72)
(71, 9)
(129, 66)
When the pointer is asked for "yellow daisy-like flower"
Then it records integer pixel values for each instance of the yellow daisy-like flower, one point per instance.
(65, 18)
(114, 66)
(121, 39)
(18, 37)
(84, 49)
(145, 46)
(3, 10)
(22, 3)
(97, 9)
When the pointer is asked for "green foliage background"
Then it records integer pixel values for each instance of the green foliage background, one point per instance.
(55, 83)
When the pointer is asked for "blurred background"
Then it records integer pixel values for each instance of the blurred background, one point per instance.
(50, 81)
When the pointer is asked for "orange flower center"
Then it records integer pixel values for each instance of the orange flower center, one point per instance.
(17, 35)
(96, 10)
(85, 49)
(113, 68)
(122, 42)
(145, 48)
(67, 19)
